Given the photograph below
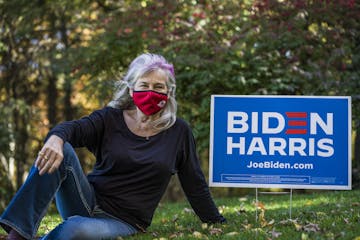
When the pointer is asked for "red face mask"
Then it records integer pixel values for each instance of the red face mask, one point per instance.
(149, 102)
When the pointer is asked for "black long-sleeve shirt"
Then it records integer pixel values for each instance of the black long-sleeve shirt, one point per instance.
(131, 173)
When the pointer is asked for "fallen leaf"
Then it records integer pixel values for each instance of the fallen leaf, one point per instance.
(298, 227)
(260, 205)
(304, 236)
(258, 230)
(275, 234)
(262, 219)
(204, 226)
(247, 226)
(222, 209)
(188, 210)
(215, 231)
(287, 222)
(232, 234)
(175, 235)
(271, 222)
(311, 227)
(197, 234)
(290, 222)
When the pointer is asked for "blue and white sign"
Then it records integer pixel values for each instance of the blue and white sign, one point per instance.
(280, 142)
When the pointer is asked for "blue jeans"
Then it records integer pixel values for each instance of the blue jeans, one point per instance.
(75, 200)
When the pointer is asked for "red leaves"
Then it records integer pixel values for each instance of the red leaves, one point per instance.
(200, 15)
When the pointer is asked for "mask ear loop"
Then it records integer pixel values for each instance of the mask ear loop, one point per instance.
(168, 93)
(130, 89)
(172, 90)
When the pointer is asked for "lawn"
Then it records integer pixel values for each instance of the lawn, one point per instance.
(320, 215)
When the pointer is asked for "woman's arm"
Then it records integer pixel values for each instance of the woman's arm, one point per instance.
(194, 184)
(86, 131)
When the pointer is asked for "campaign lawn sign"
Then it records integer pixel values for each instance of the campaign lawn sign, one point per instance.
(298, 142)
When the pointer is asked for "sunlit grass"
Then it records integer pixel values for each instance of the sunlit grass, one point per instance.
(321, 215)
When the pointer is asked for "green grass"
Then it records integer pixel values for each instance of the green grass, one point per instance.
(321, 215)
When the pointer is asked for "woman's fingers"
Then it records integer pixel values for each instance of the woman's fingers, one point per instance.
(42, 158)
(48, 161)
(55, 159)
(48, 164)
(50, 156)
(55, 165)
(39, 159)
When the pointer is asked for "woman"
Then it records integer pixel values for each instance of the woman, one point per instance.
(138, 143)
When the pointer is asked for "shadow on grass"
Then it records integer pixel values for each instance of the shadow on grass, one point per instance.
(320, 215)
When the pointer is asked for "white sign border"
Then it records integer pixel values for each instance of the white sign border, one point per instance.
(284, 186)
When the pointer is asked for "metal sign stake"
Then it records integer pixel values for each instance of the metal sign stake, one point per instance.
(290, 192)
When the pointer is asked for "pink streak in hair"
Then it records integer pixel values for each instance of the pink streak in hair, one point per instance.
(162, 65)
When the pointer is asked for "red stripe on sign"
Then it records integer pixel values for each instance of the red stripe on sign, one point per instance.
(296, 114)
(296, 131)
(297, 123)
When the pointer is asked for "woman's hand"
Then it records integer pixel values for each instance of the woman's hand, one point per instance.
(50, 156)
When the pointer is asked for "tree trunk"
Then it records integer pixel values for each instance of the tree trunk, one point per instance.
(68, 110)
(21, 151)
(52, 95)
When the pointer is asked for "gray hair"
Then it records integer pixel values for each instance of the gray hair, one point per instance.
(139, 67)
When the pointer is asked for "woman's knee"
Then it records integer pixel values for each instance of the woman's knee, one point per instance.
(70, 156)
(74, 228)
(68, 150)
